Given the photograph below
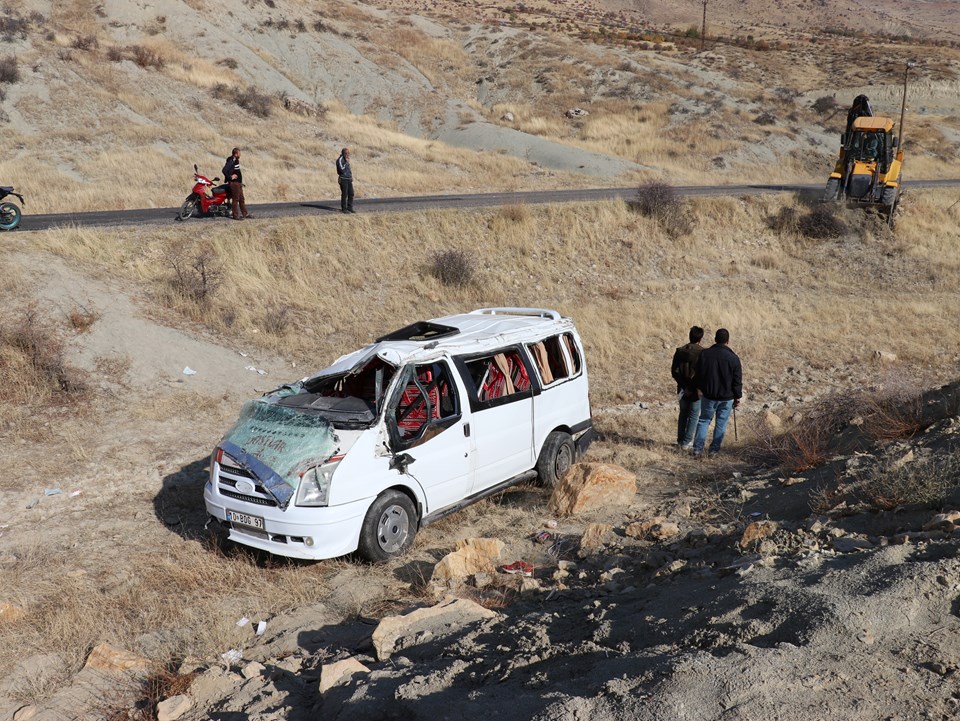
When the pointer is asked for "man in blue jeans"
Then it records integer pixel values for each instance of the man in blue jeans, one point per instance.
(684, 372)
(720, 381)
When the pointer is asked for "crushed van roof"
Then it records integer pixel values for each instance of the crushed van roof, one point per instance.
(480, 330)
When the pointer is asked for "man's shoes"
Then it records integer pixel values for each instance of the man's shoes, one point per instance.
(521, 568)
(248, 216)
(687, 446)
(351, 210)
(239, 218)
(344, 210)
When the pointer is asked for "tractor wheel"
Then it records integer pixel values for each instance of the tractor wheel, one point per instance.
(889, 197)
(832, 190)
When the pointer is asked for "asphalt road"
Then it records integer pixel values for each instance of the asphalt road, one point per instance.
(156, 216)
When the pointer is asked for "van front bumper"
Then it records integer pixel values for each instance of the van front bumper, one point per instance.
(308, 533)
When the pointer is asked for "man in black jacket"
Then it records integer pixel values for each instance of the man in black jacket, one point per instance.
(684, 372)
(720, 381)
(233, 176)
(345, 179)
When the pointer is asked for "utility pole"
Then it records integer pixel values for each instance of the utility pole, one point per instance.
(703, 27)
(903, 106)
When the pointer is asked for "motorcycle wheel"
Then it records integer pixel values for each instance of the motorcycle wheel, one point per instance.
(9, 216)
(188, 208)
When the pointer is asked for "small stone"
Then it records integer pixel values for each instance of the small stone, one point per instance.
(173, 708)
(756, 531)
(886, 357)
(253, 670)
(655, 529)
(340, 673)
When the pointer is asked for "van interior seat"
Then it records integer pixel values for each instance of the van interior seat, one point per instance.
(413, 406)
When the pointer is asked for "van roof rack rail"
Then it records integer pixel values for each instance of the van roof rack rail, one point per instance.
(536, 312)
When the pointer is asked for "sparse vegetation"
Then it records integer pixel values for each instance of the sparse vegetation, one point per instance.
(9, 71)
(661, 202)
(452, 267)
(250, 99)
(33, 367)
(197, 272)
(821, 223)
(923, 481)
(146, 57)
(81, 319)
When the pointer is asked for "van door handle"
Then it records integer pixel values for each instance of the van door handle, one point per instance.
(466, 430)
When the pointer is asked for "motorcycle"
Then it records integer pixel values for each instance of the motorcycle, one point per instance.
(216, 203)
(9, 212)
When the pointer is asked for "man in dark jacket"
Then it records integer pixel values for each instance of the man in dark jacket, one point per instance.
(233, 176)
(720, 381)
(345, 179)
(684, 372)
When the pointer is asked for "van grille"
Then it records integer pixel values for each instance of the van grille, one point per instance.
(227, 478)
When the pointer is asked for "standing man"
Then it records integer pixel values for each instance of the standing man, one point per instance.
(684, 372)
(720, 381)
(233, 176)
(345, 178)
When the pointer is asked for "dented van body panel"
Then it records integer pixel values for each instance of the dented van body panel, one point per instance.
(416, 425)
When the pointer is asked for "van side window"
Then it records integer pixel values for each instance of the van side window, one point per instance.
(550, 360)
(574, 354)
(427, 405)
(499, 375)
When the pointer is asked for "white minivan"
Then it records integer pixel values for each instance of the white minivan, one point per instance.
(421, 423)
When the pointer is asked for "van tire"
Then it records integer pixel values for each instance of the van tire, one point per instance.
(388, 528)
(557, 455)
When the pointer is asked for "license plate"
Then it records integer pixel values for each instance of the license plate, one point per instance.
(244, 519)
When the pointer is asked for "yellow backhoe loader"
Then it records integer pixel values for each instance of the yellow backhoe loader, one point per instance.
(868, 171)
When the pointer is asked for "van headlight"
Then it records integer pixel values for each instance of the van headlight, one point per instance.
(314, 488)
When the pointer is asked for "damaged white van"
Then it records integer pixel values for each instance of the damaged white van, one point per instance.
(421, 423)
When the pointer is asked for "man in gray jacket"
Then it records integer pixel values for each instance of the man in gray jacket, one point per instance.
(345, 179)
(684, 372)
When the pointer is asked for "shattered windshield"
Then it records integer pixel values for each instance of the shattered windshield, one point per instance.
(348, 400)
(287, 441)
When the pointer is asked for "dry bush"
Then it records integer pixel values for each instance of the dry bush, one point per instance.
(765, 118)
(807, 443)
(824, 104)
(786, 221)
(197, 271)
(821, 223)
(250, 99)
(146, 57)
(84, 42)
(115, 54)
(661, 202)
(893, 414)
(141, 705)
(81, 319)
(923, 482)
(32, 363)
(277, 318)
(9, 72)
(452, 267)
(515, 213)
(228, 63)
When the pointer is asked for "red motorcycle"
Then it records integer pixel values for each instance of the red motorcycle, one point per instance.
(216, 203)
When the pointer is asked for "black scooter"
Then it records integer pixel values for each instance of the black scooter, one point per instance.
(9, 212)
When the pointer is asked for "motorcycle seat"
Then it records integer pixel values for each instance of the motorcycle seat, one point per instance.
(6, 188)
(221, 189)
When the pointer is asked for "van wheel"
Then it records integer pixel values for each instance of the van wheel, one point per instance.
(555, 458)
(388, 528)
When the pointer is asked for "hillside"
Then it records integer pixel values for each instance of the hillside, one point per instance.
(808, 572)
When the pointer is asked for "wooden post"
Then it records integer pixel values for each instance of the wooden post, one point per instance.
(703, 27)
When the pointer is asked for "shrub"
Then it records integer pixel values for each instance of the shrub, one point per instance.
(32, 359)
(228, 63)
(81, 319)
(661, 202)
(785, 221)
(515, 213)
(114, 54)
(922, 482)
(807, 443)
(276, 319)
(251, 99)
(9, 72)
(452, 267)
(765, 118)
(146, 58)
(84, 42)
(197, 273)
(821, 223)
(824, 104)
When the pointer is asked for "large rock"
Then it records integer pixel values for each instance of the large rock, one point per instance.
(589, 486)
(426, 624)
(340, 673)
(116, 660)
(757, 531)
(943, 522)
(473, 556)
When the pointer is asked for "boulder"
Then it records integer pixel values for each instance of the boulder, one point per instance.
(473, 556)
(425, 624)
(173, 708)
(590, 486)
(940, 522)
(655, 529)
(756, 531)
(577, 113)
(117, 660)
(340, 673)
(594, 537)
